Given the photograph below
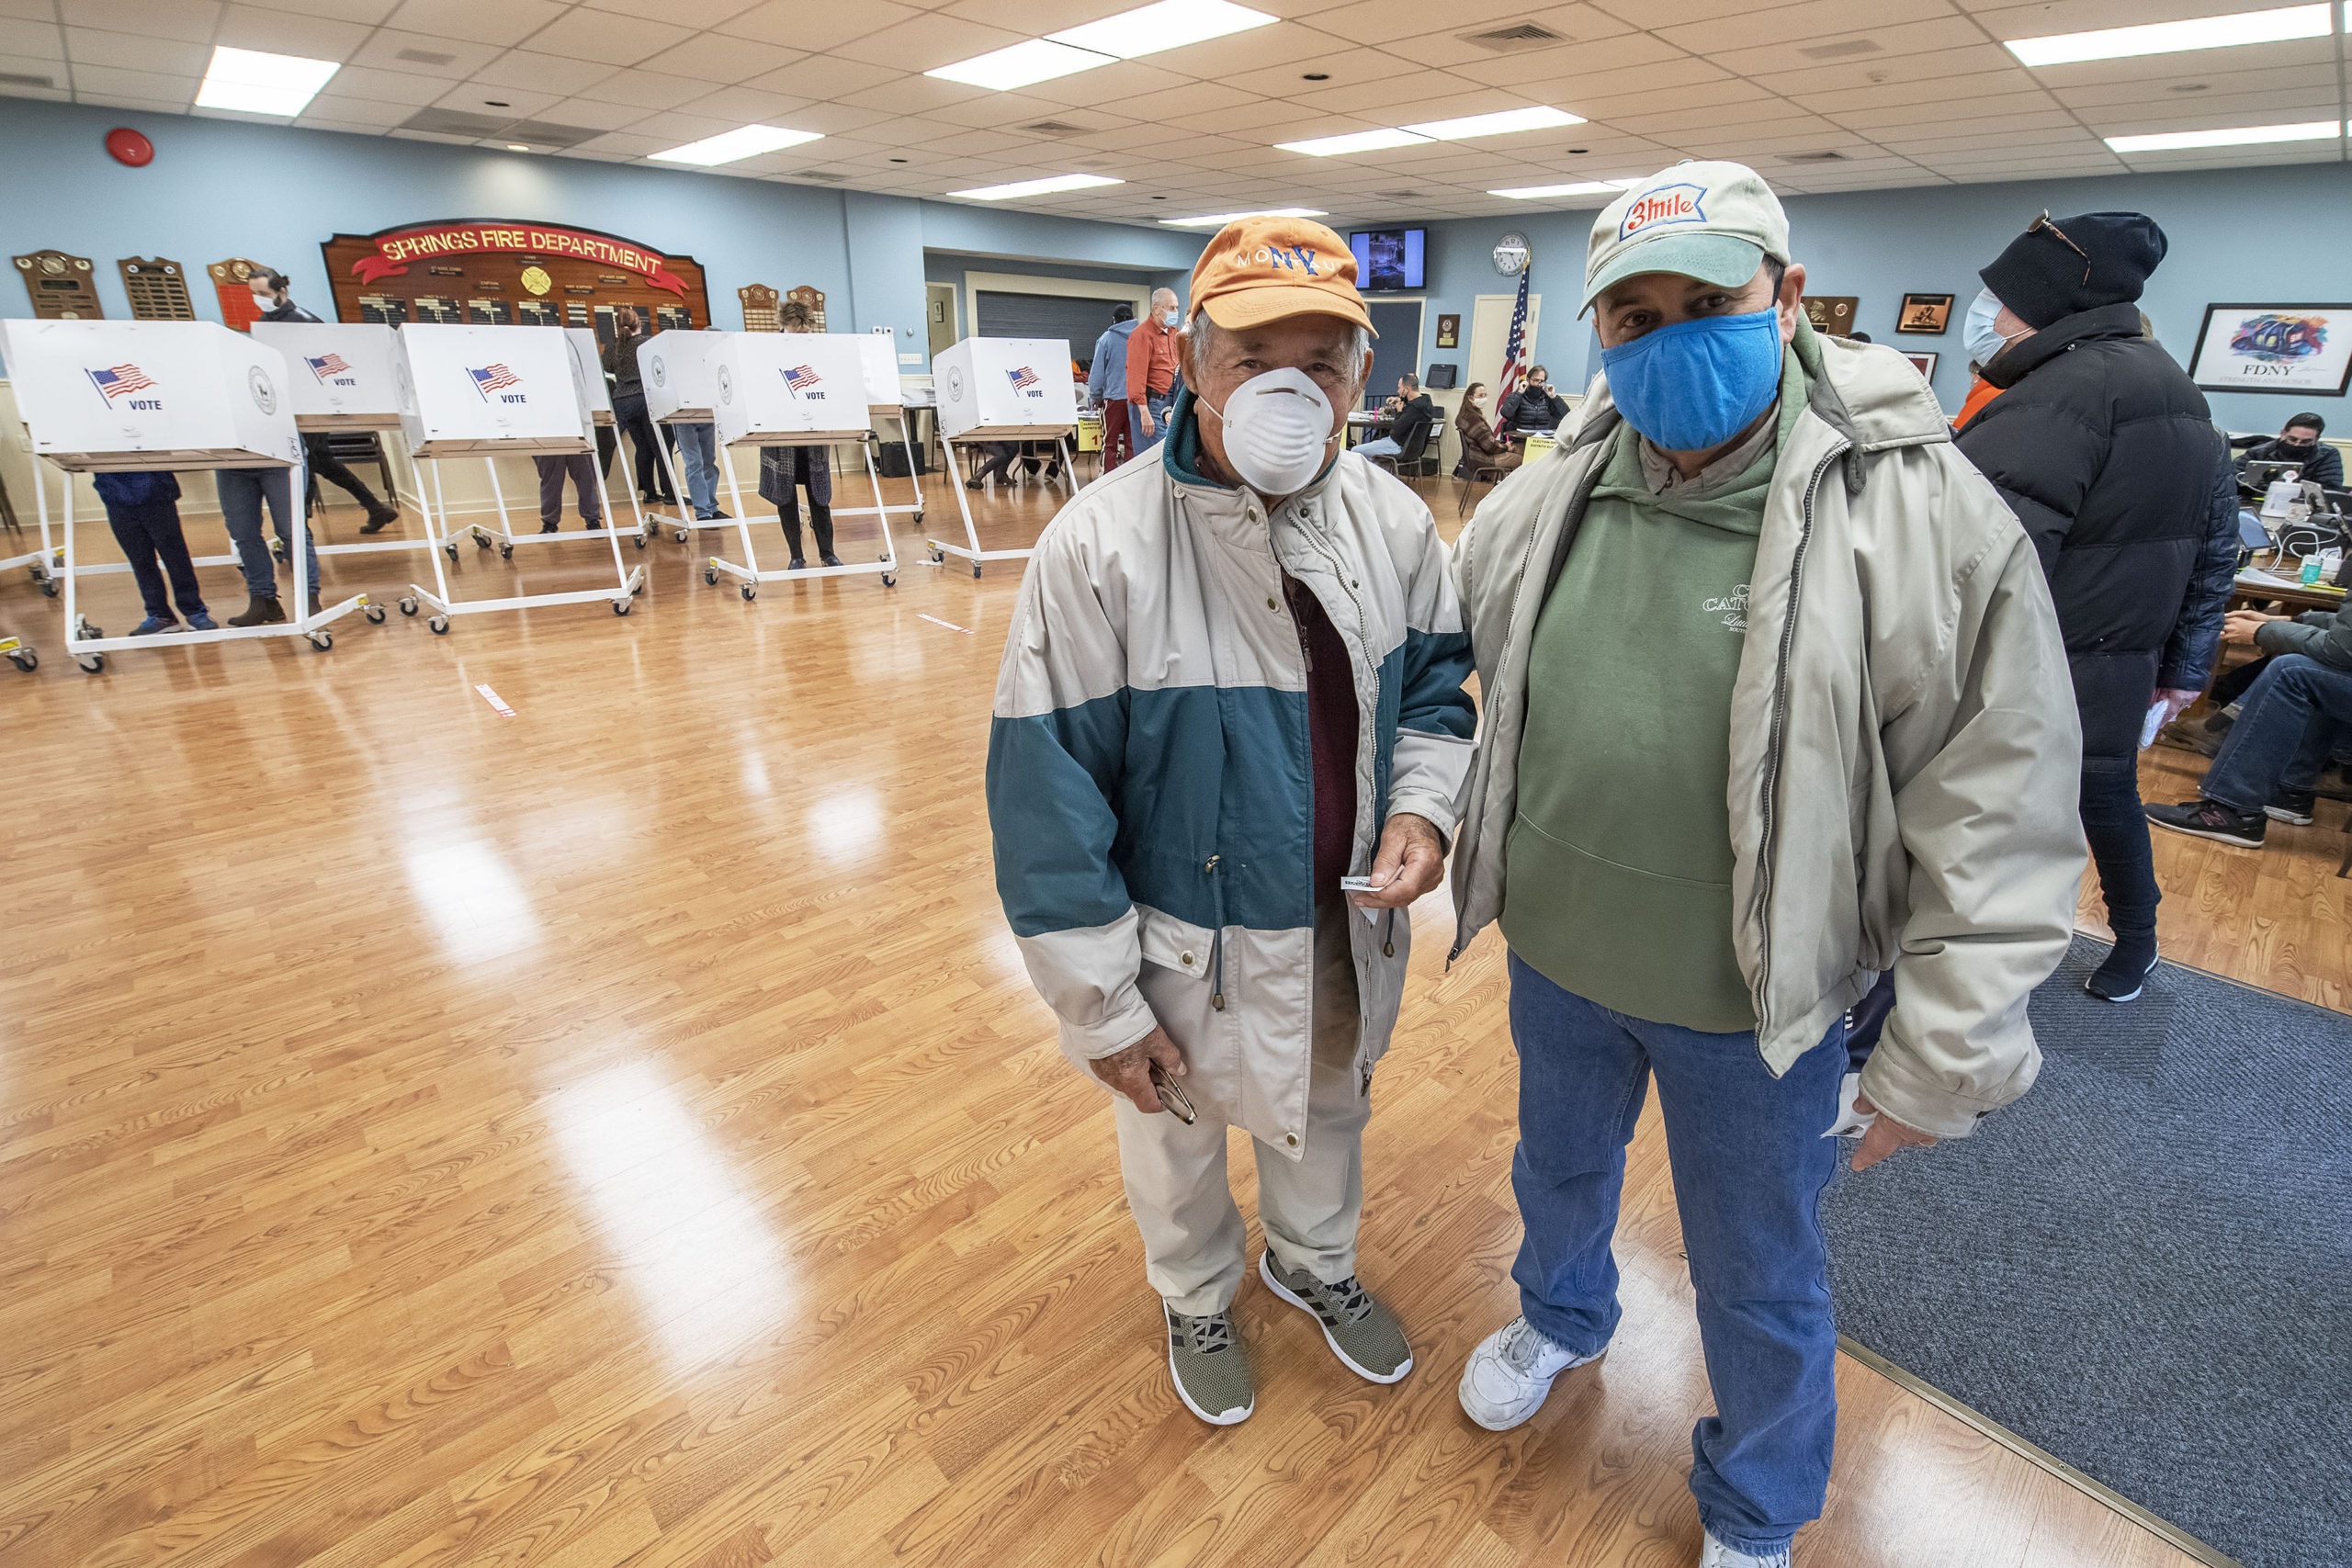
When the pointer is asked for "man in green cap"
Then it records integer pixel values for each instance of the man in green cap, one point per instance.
(1774, 702)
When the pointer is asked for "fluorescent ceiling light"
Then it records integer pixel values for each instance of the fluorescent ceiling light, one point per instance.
(262, 83)
(1582, 188)
(1171, 24)
(2171, 38)
(2242, 136)
(1354, 141)
(1038, 59)
(1495, 124)
(1036, 187)
(1222, 219)
(516, 147)
(749, 142)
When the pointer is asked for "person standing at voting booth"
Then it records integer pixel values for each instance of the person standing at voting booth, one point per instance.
(580, 469)
(786, 470)
(242, 492)
(1234, 678)
(630, 415)
(318, 453)
(1774, 701)
(143, 511)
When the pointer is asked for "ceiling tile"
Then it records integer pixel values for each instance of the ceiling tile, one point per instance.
(1936, 72)
(421, 54)
(488, 98)
(927, 42)
(1284, 43)
(1110, 84)
(1945, 40)
(22, 39)
(545, 73)
(1972, 87)
(134, 53)
(477, 21)
(823, 76)
(349, 111)
(797, 24)
(911, 95)
(283, 32)
(648, 91)
(55, 71)
(367, 12)
(1794, 26)
(153, 86)
(596, 114)
(831, 119)
(682, 13)
(190, 21)
(718, 59)
(2006, 19)
(606, 36)
(1608, 68)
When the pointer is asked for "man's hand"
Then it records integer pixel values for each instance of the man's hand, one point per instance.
(1411, 862)
(1885, 1136)
(2177, 702)
(1129, 1072)
(1143, 417)
(2240, 626)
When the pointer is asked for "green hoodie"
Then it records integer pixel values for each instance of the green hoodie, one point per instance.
(1617, 879)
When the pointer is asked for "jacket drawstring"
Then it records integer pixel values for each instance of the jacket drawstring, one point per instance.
(1388, 935)
(1216, 941)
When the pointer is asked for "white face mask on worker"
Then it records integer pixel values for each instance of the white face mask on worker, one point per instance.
(1277, 426)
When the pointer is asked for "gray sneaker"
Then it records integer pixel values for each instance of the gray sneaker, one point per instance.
(1360, 1332)
(1211, 1367)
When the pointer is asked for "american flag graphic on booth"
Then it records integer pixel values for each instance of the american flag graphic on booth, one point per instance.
(1515, 352)
(493, 379)
(1024, 377)
(330, 365)
(119, 381)
(800, 377)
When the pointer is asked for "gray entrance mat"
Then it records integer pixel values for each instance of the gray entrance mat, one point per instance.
(2144, 1267)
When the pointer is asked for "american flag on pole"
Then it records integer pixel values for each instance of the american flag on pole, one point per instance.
(121, 381)
(800, 377)
(331, 365)
(493, 379)
(1024, 377)
(1515, 354)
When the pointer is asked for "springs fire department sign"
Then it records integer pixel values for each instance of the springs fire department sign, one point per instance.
(511, 272)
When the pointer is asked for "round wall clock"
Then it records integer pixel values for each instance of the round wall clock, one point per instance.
(1510, 254)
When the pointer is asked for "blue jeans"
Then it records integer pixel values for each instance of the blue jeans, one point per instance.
(1749, 1165)
(242, 491)
(148, 532)
(1379, 446)
(2287, 724)
(1159, 403)
(698, 465)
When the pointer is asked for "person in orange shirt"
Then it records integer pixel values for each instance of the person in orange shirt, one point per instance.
(1980, 392)
(1151, 369)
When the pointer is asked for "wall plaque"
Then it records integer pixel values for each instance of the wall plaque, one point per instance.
(815, 300)
(64, 288)
(1832, 313)
(759, 307)
(158, 290)
(436, 267)
(229, 281)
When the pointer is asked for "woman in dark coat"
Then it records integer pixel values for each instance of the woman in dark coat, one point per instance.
(1481, 447)
(784, 470)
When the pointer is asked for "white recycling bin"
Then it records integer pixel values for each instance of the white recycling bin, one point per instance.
(125, 395)
(1005, 389)
(675, 367)
(789, 388)
(479, 390)
(342, 375)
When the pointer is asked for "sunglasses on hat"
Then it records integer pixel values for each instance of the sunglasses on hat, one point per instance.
(2042, 222)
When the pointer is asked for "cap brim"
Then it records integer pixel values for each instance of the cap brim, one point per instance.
(1724, 260)
(1256, 307)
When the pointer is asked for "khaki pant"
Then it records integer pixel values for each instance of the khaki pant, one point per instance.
(1193, 1234)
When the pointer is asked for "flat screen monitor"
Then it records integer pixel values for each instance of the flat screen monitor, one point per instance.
(1388, 259)
(1442, 378)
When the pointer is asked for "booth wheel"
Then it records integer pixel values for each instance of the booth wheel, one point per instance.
(506, 552)
(750, 591)
(638, 540)
(375, 614)
(91, 663)
(917, 516)
(710, 575)
(452, 548)
(48, 586)
(322, 639)
(90, 630)
(889, 580)
(680, 536)
(408, 606)
(481, 540)
(440, 624)
(24, 658)
(976, 569)
(620, 605)
(938, 556)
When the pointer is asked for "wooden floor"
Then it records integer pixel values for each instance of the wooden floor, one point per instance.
(623, 1133)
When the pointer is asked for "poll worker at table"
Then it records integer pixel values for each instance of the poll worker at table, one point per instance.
(2107, 453)
(2298, 442)
(277, 304)
(1535, 406)
(1416, 412)
(1774, 702)
(1106, 384)
(1152, 370)
(785, 471)
(1235, 676)
(629, 414)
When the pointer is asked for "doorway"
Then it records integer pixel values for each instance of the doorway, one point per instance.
(939, 313)
(1490, 335)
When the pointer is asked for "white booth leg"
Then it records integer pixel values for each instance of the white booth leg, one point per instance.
(970, 551)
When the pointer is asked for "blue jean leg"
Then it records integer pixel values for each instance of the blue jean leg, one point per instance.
(698, 463)
(1159, 407)
(242, 491)
(1749, 1165)
(2287, 724)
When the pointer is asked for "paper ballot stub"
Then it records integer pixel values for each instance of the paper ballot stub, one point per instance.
(477, 390)
(121, 395)
(340, 374)
(1015, 388)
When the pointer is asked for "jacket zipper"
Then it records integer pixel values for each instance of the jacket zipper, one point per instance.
(1216, 938)
(1774, 751)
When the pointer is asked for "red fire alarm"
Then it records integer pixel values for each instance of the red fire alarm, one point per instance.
(130, 146)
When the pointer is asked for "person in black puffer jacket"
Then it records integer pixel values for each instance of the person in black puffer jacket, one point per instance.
(2106, 452)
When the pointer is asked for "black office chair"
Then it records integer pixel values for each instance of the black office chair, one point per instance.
(1474, 472)
(1412, 462)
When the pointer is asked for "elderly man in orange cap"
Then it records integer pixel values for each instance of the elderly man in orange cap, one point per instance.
(1229, 729)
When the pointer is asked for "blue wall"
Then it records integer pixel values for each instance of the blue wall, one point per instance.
(2281, 234)
(234, 188)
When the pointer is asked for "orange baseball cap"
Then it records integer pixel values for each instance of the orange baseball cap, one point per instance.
(1262, 269)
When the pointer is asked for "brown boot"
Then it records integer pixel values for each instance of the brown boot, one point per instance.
(259, 612)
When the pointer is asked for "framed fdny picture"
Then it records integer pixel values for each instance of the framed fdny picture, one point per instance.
(1929, 315)
(2300, 350)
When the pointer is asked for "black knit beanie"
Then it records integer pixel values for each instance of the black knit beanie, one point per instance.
(2041, 280)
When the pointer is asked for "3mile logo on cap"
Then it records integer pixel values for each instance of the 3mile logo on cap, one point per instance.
(1667, 204)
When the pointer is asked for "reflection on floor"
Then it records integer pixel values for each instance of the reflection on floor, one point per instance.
(624, 1133)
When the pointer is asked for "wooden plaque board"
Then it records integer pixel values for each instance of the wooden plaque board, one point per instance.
(759, 305)
(1833, 313)
(158, 290)
(231, 280)
(815, 300)
(64, 288)
(495, 287)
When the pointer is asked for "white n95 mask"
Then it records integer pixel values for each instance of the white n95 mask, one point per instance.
(1276, 428)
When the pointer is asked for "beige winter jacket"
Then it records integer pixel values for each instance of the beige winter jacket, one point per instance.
(1905, 756)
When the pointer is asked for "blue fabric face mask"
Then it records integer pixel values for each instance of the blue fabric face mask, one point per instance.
(1697, 384)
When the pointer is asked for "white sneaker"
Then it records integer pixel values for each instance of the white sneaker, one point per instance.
(1718, 1555)
(1511, 1373)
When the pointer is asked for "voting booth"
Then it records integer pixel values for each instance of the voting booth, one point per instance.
(675, 369)
(886, 398)
(999, 389)
(101, 396)
(341, 376)
(492, 392)
(791, 389)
